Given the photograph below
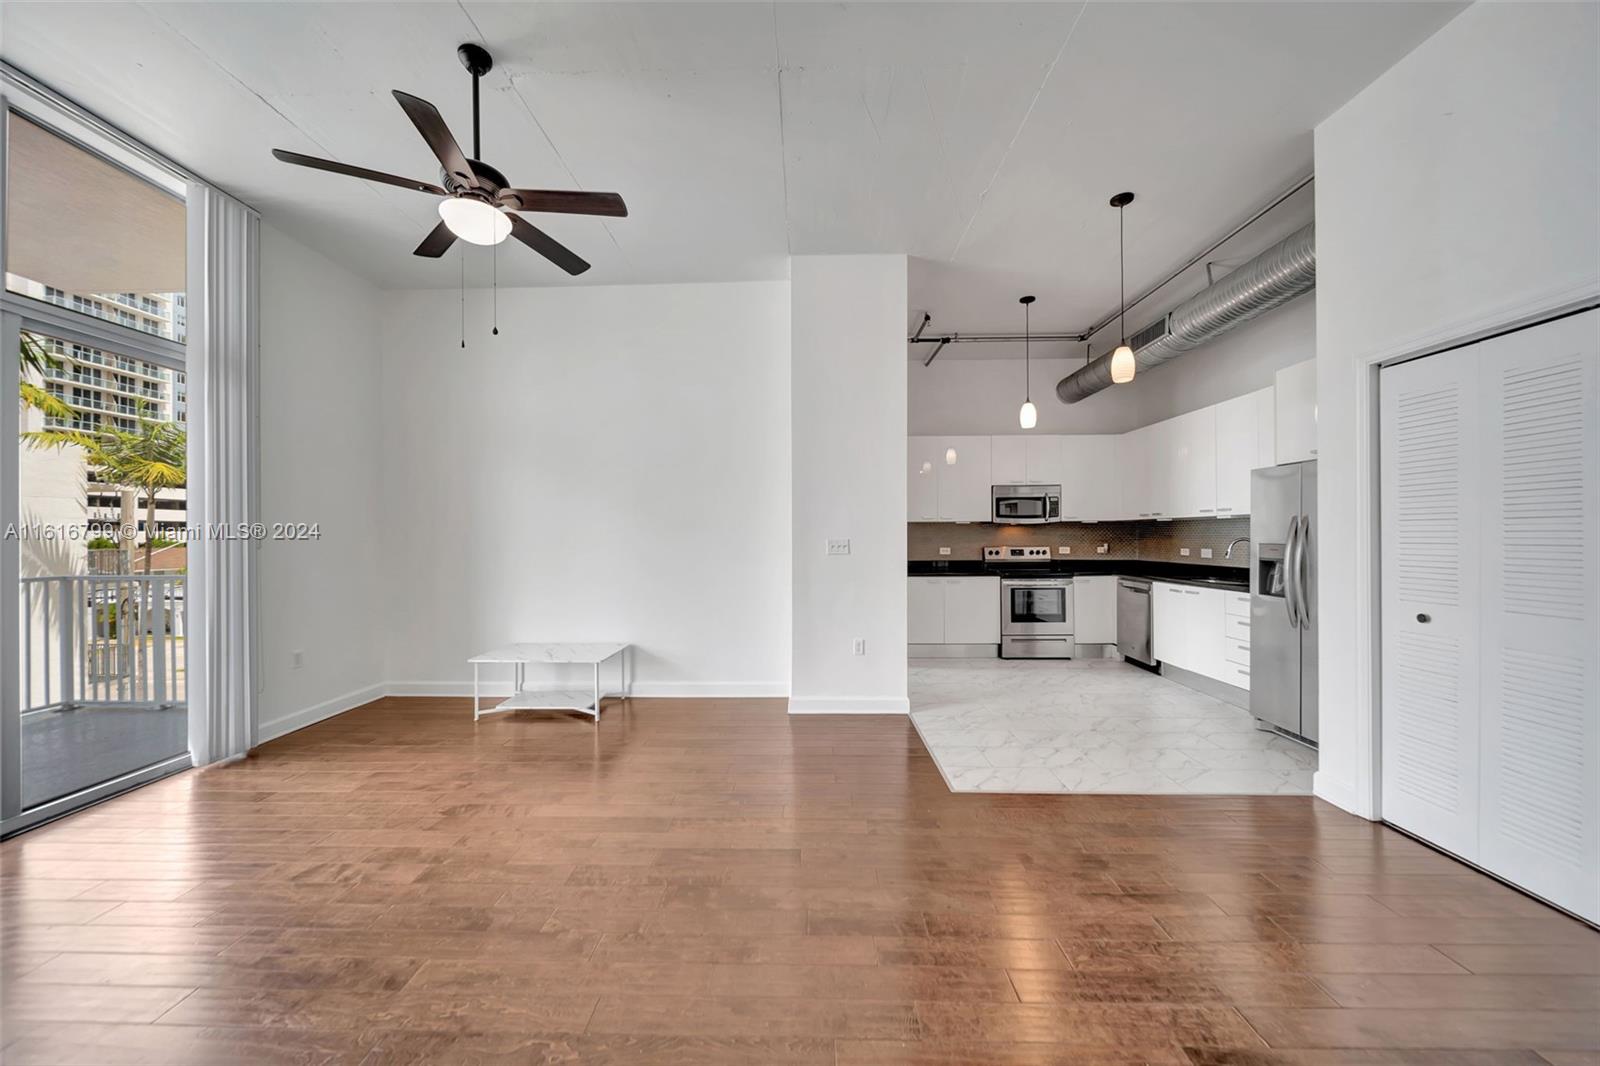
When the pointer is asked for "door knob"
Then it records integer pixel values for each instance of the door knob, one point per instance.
(1424, 618)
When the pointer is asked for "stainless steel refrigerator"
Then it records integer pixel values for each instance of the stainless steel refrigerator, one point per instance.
(1283, 597)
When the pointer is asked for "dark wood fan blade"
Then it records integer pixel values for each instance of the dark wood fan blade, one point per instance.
(566, 203)
(547, 246)
(437, 242)
(431, 125)
(355, 172)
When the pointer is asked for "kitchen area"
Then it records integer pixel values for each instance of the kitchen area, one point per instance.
(1120, 612)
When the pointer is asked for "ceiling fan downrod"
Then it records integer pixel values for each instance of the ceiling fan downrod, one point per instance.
(478, 62)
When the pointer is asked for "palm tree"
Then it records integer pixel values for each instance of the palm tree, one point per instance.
(35, 360)
(151, 458)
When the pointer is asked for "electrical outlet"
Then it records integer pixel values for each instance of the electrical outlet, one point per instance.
(297, 659)
(859, 647)
(1183, 552)
(944, 551)
(838, 547)
(1065, 549)
(1101, 549)
(1205, 553)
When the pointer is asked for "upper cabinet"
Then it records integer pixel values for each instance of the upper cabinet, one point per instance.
(1089, 477)
(1196, 465)
(1025, 459)
(1297, 413)
(1134, 459)
(964, 479)
(1008, 460)
(947, 479)
(923, 456)
(1244, 443)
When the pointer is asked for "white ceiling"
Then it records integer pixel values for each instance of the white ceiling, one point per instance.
(983, 138)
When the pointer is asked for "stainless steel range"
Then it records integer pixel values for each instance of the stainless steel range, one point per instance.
(1035, 610)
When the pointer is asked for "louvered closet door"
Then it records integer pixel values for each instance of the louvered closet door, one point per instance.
(1541, 683)
(1429, 461)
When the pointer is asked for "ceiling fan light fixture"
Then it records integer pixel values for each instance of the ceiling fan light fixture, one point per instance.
(475, 221)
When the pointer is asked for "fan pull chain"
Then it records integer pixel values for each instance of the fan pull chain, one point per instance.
(494, 254)
(463, 297)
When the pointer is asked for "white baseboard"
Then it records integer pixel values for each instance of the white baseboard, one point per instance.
(1339, 792)
(278, 727)
(488, 690)
(864, 705)
(712, 689)
(644, 689)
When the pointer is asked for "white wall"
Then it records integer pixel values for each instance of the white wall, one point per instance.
(320, 457)
(981, 396)
(613, 466)
(1455, 194)
(849, 409)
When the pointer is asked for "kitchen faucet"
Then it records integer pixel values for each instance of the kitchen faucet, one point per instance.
(1229, 553)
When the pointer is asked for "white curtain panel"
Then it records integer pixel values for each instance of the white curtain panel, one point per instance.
(224, 344)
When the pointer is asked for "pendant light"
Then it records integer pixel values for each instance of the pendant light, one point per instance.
(1028, 417)
(1122, 362)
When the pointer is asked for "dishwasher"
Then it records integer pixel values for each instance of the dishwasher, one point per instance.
(1133, 620)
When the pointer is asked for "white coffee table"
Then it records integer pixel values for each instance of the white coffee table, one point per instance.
(523, 698)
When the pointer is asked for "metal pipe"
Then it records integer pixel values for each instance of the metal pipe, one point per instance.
(1218, 243)
(991, 338)
(1286, 270)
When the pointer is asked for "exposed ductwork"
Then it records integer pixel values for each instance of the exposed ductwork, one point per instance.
(1273, 278)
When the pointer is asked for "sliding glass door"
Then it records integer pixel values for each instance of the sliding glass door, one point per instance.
(95, 549)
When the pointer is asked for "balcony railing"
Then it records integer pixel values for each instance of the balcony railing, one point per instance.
(103, 640)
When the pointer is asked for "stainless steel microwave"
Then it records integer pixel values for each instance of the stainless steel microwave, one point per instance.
(1025, 505)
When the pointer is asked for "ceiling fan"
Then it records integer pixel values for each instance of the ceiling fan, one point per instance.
(478, 204)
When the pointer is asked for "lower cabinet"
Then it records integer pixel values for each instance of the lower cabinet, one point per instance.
(1191, 632)
(1094, 608)
(953, 610)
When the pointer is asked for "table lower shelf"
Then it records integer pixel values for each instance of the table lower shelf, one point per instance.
(550, 699)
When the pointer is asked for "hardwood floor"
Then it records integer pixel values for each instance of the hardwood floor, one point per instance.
(706, 883)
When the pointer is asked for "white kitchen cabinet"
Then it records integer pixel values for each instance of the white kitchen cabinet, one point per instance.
(1266, 426)
(1026, 459)
(1295, 398)
(972, 610)
(964, 484)
(1008, 460)
(1194, 451)
(1135, 457)
(925, 610)
(953, 610)
(1169, 624)
(923, 457)
(1090, 479)
(1043, 465)
(1244, 442)
(1094, 607)
(1189, 630)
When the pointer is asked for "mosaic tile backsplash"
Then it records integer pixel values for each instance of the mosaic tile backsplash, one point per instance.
(1156, 541)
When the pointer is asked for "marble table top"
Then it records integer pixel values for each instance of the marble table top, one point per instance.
(550, 653)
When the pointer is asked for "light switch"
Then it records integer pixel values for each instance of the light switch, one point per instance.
(1065, 549)
(838, 547)
(1184, 552)
(944, 551)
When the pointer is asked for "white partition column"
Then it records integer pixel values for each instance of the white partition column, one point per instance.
(848, 410)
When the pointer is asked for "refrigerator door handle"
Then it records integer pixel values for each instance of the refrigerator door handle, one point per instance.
(1288, 572)
(1302, 601)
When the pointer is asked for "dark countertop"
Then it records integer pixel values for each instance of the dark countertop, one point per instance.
(1231, 578)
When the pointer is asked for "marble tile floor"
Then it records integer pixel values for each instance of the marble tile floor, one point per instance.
(1093, 725)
